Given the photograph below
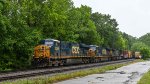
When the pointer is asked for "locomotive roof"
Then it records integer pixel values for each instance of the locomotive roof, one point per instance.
(52, 40)
(84, 45)
(94, 46)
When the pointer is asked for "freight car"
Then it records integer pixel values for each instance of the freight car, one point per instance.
(53, 52)
(138, 55)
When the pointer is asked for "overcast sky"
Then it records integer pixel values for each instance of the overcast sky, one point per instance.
(133, 16)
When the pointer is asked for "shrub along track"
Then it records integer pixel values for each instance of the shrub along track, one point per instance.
(45, 71)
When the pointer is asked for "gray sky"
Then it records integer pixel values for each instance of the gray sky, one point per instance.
(133, 16)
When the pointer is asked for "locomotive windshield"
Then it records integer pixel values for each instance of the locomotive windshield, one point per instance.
(50, 42)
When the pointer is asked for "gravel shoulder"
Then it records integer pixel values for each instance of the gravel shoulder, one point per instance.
(129, 74)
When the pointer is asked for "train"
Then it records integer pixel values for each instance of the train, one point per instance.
(52, 52)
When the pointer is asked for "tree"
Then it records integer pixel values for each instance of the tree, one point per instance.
(129, 39)
(18, 39)
(86, 28)
(145, 39)
(106, 28)
(145, 52)
(142, 48)
(121, 43)
(54, 18)
(23, 23)
(138, 46)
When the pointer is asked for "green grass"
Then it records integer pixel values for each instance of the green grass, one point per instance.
(145, 79)
(61, 77)
(5, 70)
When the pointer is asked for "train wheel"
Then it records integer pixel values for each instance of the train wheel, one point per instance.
(83, 60)
(53, 65)
(34, 62)
(64, 62)
(59, 64)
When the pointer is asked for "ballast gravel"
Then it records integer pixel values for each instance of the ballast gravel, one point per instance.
(129, 74)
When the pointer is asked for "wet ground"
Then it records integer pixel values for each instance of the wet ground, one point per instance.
(130, 74)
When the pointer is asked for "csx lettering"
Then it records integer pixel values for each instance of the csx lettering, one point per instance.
(75, 49)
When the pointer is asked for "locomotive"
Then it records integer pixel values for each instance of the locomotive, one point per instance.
(51, 52)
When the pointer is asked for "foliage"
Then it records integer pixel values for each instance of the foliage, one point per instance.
(145, 39)
(142, 48)
(24, 22)
(145, 52)
(121, 43)
(138, 46)
(17, 39)
(129, 40)
(86, 27)
(108, 31)
(145, 79)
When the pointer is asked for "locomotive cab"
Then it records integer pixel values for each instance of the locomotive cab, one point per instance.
(54, 46)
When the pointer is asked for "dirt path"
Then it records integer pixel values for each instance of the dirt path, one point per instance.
(125, 75)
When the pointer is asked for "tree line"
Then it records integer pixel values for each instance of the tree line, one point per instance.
(143, 45)
(23, 23)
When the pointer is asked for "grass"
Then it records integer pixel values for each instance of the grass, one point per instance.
(145, 79)
(5, 70)
(61, 77)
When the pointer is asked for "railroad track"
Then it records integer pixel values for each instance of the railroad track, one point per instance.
(39, 72)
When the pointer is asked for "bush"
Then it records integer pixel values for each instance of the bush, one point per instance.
(145, 52)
